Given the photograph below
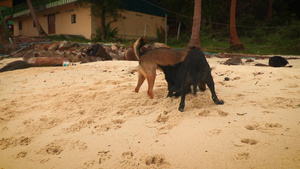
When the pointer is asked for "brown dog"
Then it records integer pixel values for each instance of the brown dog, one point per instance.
(151, 59)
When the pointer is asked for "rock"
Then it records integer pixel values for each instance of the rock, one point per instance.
(249, 60)
(113, 55)
(74, 56)
(121, 54)
(114, 48)
(129, 54)
(98, 51)
(50, 54)
(66, 45)
(17, 55)
(41, 46)
(53, 46)
(29, 54)
(91, 59)
(235, 60)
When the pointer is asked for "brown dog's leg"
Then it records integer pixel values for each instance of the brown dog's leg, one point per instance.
(141, 80)
(151, 79)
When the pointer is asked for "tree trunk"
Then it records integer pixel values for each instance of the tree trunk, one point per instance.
(209, 17)
(270, 10)
(235, 43)
(40, 30)
(103, 31)
(195, 37)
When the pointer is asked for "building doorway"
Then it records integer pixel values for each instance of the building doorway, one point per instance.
(51, 24)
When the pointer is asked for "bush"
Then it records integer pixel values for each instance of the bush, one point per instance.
(182, 42)
(160, 34)
(291, 31)
(110, 34)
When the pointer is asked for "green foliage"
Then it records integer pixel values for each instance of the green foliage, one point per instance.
(110, 34)
(281, 41)
(103, 9)
(182, 9)
(72, 38)
(182, 42)
(291, 31)
(111, 8)
(160, 34)
(243, 21)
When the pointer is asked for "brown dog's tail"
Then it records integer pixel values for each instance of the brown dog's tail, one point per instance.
(137, 46)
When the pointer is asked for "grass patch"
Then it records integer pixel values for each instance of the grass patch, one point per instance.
(72, 38)
(271, 45)
(274, 44)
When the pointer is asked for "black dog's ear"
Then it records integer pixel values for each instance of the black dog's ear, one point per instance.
(195, 47)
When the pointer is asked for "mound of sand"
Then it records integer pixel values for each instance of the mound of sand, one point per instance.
(88, 116)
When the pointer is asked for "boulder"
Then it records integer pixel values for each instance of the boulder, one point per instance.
(129, 54)
(97, 50)
(235, 60)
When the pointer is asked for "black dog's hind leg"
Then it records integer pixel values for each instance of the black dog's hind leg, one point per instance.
(184, 91)
(170, 89)
(182, 102)
(174, 91)
(194, 88)
(211, 85)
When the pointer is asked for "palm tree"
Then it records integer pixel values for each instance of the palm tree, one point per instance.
(235, 43)
(270, 10)
(195, 37)
(40, 30)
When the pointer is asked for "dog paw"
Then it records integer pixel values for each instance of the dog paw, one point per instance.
(151, 95)
(155, 161)
(219, 102)
(249, 141)
(181, 109)
(242, 156)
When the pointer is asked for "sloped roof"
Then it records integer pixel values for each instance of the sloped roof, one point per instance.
(144, 6)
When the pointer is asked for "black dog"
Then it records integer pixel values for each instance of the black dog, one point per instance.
(277, 61)
(194, 70)
(170, 76)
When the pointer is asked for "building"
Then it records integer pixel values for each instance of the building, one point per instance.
(5, 3)
(64, 17)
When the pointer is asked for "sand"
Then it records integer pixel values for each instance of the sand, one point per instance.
(88, 116)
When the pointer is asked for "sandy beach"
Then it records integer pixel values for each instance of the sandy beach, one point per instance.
(88, 116)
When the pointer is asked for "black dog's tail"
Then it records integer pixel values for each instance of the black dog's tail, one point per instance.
(137, 46)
